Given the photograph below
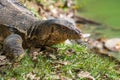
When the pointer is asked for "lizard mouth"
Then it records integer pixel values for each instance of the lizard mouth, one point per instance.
(80, 34)
(77, 34)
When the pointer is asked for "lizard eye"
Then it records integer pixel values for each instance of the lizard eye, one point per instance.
(63, 28)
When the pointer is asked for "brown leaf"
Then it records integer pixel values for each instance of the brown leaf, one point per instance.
(52, 56)
(86, 74)
(3, 60)
(31, 76)
(117, 68)
(62, 62)
(12, 79)
(113, 44)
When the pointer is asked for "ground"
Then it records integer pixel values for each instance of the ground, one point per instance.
(66, 62)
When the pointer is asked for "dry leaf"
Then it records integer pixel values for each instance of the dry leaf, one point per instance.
(52, 56)
(31, 76)
(2, 58)
(62, 62)
(12, 79)
(113, 44)
(87, 75)
(117, 47)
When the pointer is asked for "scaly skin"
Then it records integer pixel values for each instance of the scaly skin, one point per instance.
(19, 29)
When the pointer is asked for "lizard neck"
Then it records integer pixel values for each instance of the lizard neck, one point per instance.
(33, 29)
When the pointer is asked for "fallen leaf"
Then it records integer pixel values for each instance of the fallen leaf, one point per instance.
(52, 56)
(117, 68)
(113, 44)
(13, 79)
(86, 75)
(2, 58)
(31, 76)
(62, 62)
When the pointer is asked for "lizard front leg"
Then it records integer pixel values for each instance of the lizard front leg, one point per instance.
(12, 47)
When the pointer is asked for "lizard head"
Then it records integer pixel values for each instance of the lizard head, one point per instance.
(67, 28)
(55, 31)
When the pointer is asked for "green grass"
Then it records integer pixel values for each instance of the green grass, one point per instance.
(106, 12)
(68, 62)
